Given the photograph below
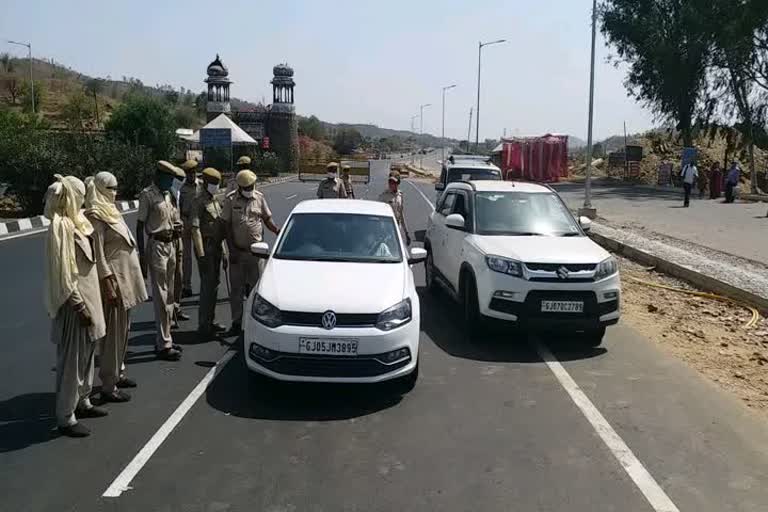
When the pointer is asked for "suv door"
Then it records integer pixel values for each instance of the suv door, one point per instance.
(437, 230)
(454, 239)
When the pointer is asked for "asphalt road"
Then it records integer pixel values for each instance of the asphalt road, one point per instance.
(490, 426)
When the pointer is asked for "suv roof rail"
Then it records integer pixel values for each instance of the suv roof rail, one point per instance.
(477, 158)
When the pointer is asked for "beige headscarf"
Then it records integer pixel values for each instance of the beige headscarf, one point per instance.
(100, 200)
(63, 202)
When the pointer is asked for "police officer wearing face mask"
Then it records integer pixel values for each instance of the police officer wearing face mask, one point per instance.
(159, 220)
(245, 213)
(331, 187)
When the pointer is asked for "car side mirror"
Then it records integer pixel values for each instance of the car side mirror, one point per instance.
(260, 249)
(586, 223)
(417, 255)
(455, 221)
(440, 186)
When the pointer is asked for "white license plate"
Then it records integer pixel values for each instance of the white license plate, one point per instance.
(328, 346)
(562, 306)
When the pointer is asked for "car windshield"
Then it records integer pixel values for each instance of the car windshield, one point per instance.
(459, 174)
(340, 237)
(523, 214)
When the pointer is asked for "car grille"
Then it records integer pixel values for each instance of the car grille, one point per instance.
(552, 267)
(331, 366)
(316, 319)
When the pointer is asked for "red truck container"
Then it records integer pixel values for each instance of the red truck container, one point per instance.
(543, 159)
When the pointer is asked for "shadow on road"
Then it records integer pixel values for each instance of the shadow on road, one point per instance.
(27, 420)
(236, 392)
(441, 321)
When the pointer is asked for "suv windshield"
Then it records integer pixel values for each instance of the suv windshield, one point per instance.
(459, 174)
(340, 237)
(523, 214)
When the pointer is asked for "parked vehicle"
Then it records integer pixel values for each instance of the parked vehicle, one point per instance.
(466, 168)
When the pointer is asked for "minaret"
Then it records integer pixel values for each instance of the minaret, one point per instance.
(283, 125)
(218, 90)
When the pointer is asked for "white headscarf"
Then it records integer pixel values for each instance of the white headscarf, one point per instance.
(63, 202)
(100, 200)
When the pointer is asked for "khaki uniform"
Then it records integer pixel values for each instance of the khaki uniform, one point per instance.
(159, 215)
(187, 197)
(244, 218)
(331, 189)
(348, 188)
(206, 216)
(116, 256)
(395, 200)
(75, 345)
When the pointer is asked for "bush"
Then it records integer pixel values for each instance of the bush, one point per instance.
(146, 121)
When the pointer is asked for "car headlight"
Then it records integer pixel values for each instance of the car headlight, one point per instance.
(607, 268)
(397, 315)
(265, 313)
(504, 265)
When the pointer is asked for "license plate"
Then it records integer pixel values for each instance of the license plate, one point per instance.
(328, 346)
(562, 306)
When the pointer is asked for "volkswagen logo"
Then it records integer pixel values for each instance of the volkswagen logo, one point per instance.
(563, 273)
(329, 320)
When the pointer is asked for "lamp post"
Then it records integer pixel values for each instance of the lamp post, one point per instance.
(442, 135)
(31, 79)
(421, 127)
(413, 129)
(480, 46)
(588, 210)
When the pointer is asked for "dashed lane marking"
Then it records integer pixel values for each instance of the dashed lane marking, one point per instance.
(291, 196)
(422, 194)
(123, 481)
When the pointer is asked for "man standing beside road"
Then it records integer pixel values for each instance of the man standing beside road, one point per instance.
(689, 175)
(208, 240)
(245, 209)
(393, 196)
(187, 197)
(732, 181)
(157, 218)
(346, 180)
(331, 187)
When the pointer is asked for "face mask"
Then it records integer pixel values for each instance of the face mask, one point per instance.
(331, 175)
(246, 193)
(165, 182)
(176, 187)
(212, 188)
(111, 194)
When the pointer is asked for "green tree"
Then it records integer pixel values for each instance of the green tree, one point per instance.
(25, 93)
(346, 141)
(94, 87)
(77, 111)
(144, 120)
(667, 45)
(186, 117)
(312, 128)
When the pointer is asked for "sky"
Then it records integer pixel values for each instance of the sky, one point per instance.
(354, 61)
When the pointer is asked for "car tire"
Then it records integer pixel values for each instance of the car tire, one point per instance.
(406, 384)
(429, 272)
(473, 321)
(594, 337)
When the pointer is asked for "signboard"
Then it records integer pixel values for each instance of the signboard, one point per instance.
(665, 174)
(217, 148)
(215, 137)
(265, 143)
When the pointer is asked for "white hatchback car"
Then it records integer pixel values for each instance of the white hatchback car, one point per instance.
(336, 301)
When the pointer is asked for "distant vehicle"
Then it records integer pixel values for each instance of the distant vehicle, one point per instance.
(513, 251)
(466, 168)
(337, 300)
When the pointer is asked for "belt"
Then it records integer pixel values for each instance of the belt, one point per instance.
(164, 236)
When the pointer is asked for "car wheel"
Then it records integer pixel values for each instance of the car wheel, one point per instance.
(406, 384)
(429, 272)
(472, 318)
(594, 337)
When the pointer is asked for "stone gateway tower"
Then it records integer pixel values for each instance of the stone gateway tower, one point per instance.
(218, 90)
(283, 127)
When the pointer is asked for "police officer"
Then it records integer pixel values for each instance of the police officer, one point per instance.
(208, 238)
(187, 197)
(158, 219)
(245, 210)
(346, 180)
(394, 197)
(331, 187)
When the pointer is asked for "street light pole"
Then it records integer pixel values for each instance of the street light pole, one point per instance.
(480, 46)
(31, 78)
(588, 210)
(413, 129)
(421, 127)
(442, 137)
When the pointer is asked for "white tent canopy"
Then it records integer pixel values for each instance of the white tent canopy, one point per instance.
(239, 136)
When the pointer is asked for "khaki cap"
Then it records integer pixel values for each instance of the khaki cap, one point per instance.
(332, 166)
(212, 173)
(244, 160)
(346, 167)
(189, 165)
(245, 178)
(169, 168)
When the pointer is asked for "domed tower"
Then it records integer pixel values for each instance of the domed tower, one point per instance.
(283, 125)
(218, 90)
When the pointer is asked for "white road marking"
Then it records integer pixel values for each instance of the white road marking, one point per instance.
(291, 196)
(652, 491)
(30, 232)
(124, 479)
(25, 224)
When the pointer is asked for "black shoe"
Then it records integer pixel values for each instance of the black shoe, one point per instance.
(186, 292)
(182, 316)
(116, 397)
(76, 430)
(218, 327)
(235, 330)
(178, 347)
(169, 354)
(91, 412)
(125, 382)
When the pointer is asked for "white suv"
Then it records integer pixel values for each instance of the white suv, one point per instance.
(513, 251)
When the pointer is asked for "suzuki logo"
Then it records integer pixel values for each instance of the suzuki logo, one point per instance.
(563, 273)
(329, 320)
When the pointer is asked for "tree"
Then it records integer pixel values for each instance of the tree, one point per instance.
(144, 120)
(5, 60)
(312, 128)
(667, 45)
(186, 117)
(13, 88)
(77, 112)
(94, 87)
(171, 97)
(346, 141)
(25, 93)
